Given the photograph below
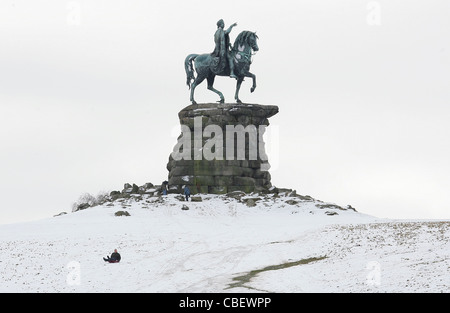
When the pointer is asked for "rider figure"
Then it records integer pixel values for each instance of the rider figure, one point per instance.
(222, 48)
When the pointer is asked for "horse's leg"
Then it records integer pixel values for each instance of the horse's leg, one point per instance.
(210, 79)
(238, 87)
(196, 82)
(253, 76)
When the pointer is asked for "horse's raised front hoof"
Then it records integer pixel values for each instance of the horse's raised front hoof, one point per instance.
(252, 89)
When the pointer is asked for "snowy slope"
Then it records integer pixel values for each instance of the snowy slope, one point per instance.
(222, 245)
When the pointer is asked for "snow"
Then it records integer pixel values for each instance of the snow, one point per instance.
(204, 249)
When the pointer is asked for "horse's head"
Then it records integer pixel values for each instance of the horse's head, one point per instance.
(247, 38)
(253, 43)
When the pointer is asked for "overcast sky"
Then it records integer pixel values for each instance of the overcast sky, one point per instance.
(90, 91)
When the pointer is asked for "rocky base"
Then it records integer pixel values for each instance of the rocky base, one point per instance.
(151, 195)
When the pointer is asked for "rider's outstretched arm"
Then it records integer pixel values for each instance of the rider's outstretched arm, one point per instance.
(230, 28)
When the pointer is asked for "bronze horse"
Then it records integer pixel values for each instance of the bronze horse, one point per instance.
(204, 64)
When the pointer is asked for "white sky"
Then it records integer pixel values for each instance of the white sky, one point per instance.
(90, 91)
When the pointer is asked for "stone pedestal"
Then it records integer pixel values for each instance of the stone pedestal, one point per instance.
(221, 149)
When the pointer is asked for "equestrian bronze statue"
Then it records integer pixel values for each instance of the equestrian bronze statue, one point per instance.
(226, 60)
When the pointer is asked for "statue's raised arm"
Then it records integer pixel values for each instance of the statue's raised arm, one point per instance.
(230, 28)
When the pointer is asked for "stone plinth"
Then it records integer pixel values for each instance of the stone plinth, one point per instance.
(221, 149)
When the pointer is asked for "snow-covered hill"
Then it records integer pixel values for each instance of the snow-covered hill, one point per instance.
(221, 244)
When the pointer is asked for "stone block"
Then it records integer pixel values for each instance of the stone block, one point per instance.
(223, 180)
(244, 181)
(198, 189)
(181, 180)
(261, 174)
(182, 171)
(217, 190)
(204, 180)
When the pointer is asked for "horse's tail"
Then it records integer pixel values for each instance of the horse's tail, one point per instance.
(189, 68)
